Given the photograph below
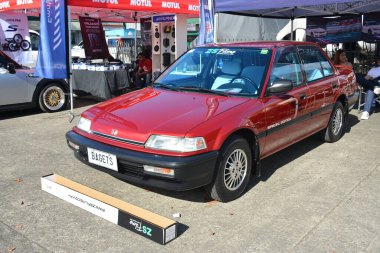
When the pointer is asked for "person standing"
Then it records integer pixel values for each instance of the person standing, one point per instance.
(144, 72)
(341, 59)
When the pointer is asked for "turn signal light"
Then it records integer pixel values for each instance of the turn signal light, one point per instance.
(158, 170)
(73, 145)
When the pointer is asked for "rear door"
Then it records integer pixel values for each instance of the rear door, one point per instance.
(286, 114)
(322, 83)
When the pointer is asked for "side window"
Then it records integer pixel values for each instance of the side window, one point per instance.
(315, 63)
(326, 66)
(35, 41)
(287, 66)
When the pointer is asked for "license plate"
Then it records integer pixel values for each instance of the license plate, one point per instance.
(103, 159)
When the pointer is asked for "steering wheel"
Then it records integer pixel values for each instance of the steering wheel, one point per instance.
(250, 81)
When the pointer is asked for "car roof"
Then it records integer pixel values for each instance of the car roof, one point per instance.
(264, 44)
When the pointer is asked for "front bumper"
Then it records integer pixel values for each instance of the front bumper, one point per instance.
(189, 172)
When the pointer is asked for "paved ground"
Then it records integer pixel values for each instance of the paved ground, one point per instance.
(313, 197)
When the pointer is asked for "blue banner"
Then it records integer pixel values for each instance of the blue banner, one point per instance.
(51, 61)
(206, 29)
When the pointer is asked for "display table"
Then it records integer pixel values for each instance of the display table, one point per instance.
(102, 84)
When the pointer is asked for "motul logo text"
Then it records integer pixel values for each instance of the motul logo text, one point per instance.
(4, 5)
(193, 7)
(170, 5)
(145, 3)
(106, 1)
(21, 2)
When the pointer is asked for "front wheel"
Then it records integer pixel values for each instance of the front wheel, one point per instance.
(233, 170)
(52, 98)
(335, 128)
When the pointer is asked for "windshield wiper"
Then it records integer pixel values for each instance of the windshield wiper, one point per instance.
(166, 86)
(194, 88)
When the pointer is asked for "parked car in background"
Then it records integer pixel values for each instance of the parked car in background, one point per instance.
(334, 27)
(78, 51)
(212, 116)
(315, 31)
(20, 89)
(371, 27)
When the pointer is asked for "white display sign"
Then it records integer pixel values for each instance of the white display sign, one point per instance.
(92, 205)
(14, 36)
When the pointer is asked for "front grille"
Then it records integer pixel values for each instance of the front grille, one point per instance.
(130, 168)
(114, 138)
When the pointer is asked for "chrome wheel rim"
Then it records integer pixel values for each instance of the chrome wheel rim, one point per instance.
(337, 121)
(235, 169)
(54, 98)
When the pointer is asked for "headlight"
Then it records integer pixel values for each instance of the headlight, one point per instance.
(84, 124)
(175, 143)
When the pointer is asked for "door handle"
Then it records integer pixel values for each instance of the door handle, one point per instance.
(303, 96)
(334, 85)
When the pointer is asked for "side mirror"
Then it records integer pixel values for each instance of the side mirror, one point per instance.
(280, 86)
(11, 68)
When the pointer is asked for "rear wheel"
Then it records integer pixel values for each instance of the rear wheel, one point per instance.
(52, 98)
(234, 170)
(335, 128)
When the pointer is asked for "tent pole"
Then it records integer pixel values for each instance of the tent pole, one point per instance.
(291, 26)
(69, 60)
(135, 18)
(216, 27)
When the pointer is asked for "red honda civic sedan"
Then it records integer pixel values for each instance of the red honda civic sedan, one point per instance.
(212, 115)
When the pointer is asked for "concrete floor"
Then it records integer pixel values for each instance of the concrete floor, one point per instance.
(312, 197)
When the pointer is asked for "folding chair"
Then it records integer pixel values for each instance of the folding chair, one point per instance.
(363, 97)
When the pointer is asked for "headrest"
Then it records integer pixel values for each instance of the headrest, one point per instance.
(231, 68)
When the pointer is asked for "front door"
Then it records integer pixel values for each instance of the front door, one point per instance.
(14, 88)
(286, 114)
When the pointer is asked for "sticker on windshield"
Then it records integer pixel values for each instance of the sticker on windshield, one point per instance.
(226, 51)
(264, 51)
(212, 51)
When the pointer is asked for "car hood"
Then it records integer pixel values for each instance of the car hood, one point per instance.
(137, 115)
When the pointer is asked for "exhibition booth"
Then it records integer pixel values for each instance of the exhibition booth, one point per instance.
(163, 35)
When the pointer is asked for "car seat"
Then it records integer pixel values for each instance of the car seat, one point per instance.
(230, 70)
(255, 73)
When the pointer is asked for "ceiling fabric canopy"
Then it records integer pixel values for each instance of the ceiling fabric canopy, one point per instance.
(111, 10)
(296, 8)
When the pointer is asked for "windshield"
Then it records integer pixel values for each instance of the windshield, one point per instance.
(232, 71)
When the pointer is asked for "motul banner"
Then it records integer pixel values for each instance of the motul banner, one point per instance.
(14, 36)
(94, 41)
(178, 6)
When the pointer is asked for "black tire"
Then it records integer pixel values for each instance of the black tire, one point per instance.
(18, 38)
(335, 129)
(25, 45)
(223, 187)
(52, 98)
(13, 47)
